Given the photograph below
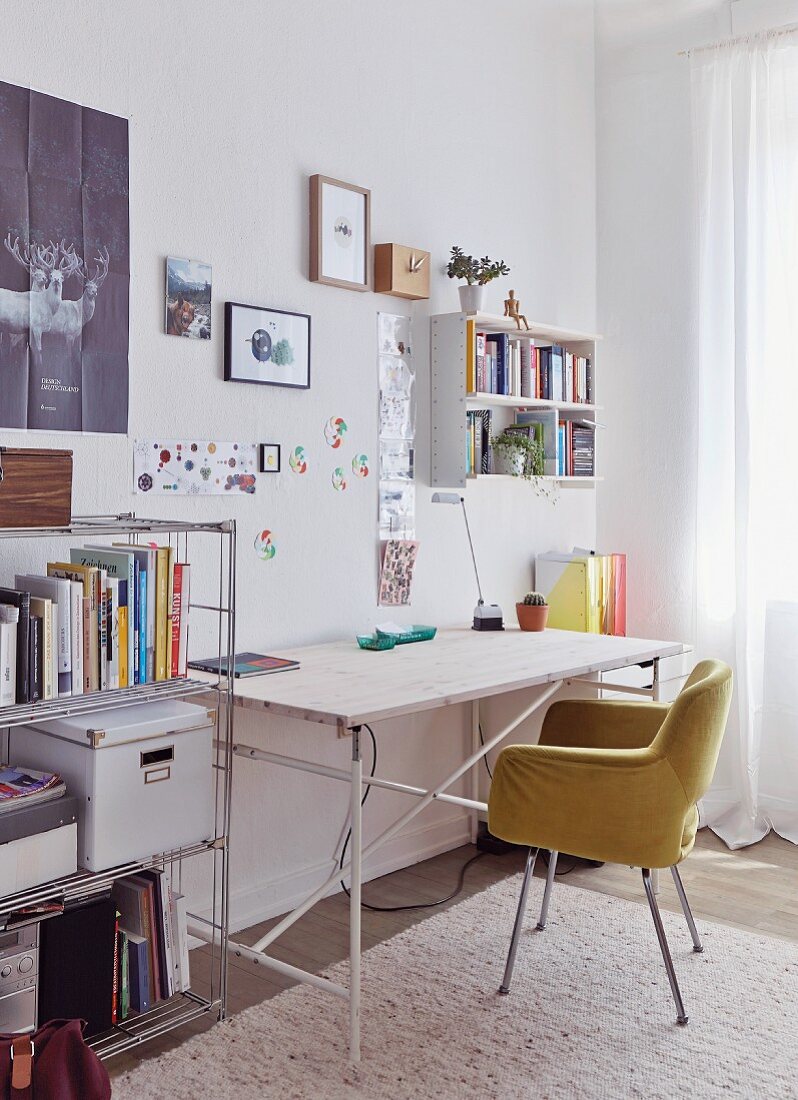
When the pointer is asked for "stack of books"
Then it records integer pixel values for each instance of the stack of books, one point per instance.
(576, 447)
(109, 618)
(514, 366)
(151, 962)
(24, 787)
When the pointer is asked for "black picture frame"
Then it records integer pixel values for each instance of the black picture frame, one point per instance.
(239, 369)
(263, 467)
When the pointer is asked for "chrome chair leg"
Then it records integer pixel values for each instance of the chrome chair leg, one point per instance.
(698, 947)
(519, 920)
(681, 1017)
(544, 909)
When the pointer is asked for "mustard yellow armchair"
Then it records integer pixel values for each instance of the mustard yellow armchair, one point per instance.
(615, 782)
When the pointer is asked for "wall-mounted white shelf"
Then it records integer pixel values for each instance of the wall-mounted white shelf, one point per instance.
(450, 399)
(570, 480)
(497, 400)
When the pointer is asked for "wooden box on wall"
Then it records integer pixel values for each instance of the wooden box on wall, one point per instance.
(35, 487)
(401, 271)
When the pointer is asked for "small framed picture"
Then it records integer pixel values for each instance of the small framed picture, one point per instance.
(188, 298)
(268, 346)
(340, 233)
(269, 458)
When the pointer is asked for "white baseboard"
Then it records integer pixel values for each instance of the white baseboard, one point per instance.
(251, 904)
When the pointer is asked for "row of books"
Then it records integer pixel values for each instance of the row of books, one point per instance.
(109, 618)
(513, 366)
(576, 449)
(585, 591)
(151, 960)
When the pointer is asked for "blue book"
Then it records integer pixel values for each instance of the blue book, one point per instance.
(138, 972)
(557, 373)
(502, 361)
(141, 615)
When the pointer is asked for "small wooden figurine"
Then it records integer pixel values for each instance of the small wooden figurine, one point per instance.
(511, 308)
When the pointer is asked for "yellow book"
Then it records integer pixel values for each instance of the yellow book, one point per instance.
(471, 356)
(162, 611)
(123, 681)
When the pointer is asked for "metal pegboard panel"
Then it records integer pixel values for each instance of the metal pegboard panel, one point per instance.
(448, 400)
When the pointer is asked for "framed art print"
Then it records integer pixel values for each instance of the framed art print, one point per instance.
(340, 233)
(268, 346)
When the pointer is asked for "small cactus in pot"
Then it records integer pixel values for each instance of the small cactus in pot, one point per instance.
(532, 612)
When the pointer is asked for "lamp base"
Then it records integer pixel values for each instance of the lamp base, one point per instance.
(488, 616)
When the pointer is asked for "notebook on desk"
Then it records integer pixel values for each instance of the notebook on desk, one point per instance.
(245, 664)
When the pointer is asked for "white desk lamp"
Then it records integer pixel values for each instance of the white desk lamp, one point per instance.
(487, 616)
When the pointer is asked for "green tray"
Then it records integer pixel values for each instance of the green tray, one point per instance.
(414, 634)
(376, 641)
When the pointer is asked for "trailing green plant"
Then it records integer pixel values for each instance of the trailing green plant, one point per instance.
(513, 444)
(482, 271)
(534, 599)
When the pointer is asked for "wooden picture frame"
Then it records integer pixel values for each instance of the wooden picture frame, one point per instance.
(275, 329)
(325, 266)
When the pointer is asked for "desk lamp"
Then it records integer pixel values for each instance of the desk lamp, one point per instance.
(487, 616)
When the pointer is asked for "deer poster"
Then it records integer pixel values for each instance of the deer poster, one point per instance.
(64, 265)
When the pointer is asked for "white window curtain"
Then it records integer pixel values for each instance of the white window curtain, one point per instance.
(745, 128)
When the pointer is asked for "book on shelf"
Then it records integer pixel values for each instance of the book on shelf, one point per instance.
(511, 365)
(82, 626)
(154, 921)
(59, 591)
(9, 619)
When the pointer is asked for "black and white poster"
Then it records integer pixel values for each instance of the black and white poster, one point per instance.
(64, 265)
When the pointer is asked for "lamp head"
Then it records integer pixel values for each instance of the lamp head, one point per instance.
(447, 498)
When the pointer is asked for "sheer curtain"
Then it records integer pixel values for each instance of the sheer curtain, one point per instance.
(745, 128)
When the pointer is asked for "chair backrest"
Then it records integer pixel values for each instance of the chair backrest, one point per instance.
(691, 735)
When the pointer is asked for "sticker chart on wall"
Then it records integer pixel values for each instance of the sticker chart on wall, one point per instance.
(397, 417)
(175, 467)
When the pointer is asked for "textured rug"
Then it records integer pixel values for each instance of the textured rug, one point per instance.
(590, 1016)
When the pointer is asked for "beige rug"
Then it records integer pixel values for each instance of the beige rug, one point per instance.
(590, 1016)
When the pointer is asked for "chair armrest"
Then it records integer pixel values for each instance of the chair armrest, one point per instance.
(615, 805)
(603, 724)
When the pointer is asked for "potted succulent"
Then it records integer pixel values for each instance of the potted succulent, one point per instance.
(477, 274)
(518, 455)
(532, 612)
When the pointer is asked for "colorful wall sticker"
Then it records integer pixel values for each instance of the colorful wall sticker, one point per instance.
(360, 465)
(338, 479)
(297, 460)
(334, 431)
(264, 546)
(177, 467)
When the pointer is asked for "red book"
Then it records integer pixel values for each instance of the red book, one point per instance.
(177, 605)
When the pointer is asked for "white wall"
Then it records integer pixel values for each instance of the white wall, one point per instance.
(473, 124)
(646, 289)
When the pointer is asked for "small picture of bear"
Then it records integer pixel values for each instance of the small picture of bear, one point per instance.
(188, 298)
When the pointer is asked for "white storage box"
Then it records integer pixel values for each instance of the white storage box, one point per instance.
(144, 775)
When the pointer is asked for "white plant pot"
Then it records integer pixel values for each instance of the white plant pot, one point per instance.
(509, 462)
(471, 298)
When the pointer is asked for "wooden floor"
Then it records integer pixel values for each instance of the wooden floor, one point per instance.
(753, 889)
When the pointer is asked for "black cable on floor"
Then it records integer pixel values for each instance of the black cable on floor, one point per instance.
(398, 908)
(485, 757)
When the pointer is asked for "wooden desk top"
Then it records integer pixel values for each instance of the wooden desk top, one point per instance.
(343, 686)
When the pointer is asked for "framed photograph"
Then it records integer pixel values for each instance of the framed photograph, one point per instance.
(340, 234)
(188, 298)
(269, 458)
(269, 346)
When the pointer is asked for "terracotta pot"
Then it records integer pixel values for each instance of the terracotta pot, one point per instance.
(532, 616)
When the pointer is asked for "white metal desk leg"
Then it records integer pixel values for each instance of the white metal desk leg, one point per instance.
(354, 899)
(656, 698)
(475, 769)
